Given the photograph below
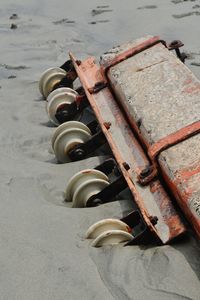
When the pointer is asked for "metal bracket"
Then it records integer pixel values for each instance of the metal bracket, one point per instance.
(142, 235)
(67, 81)
(71, 75)
(107, 166)
(93, 126)
(82, 150)
(68, 66)
(146, 237)
(67, 112)
(175, 45)
(148, 174)
(98, 87)
(108, 193)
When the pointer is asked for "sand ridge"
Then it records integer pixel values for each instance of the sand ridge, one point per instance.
(43, 253)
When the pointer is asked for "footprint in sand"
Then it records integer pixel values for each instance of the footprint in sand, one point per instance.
(100, 21)
(181, 1)
(64, 21)
(197, 13)
(99, 11)
(147, 7)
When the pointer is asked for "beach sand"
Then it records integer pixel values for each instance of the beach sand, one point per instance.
(43, 252)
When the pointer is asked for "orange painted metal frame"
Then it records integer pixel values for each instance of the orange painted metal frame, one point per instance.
(127, 150)
(131, 52)
(173, 139)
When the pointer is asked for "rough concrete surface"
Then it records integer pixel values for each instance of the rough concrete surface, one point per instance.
(43, 253)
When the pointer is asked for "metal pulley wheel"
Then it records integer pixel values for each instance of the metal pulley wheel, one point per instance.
(109, 232)
(49, 79)
(112, 237)
(67, 136)
(57, 99)
(60, 91)
(85, 184)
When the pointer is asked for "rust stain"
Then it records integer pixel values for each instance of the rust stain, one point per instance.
(190, 171)
(194, 89)
(188, 81)
(86, 171)
(107, 125)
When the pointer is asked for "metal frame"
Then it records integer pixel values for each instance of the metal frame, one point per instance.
(128, 154)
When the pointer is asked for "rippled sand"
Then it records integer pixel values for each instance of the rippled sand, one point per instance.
(43, 253)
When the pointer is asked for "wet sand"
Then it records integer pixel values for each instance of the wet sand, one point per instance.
(43, 253)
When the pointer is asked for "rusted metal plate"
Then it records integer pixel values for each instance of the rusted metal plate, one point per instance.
(152, 200)
(160, 96)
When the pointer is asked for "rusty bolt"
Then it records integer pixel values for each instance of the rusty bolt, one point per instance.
(126, 166)
(146, 172)
(79, 153)
(139, 122)
(96, 202)
(153, 220)
(92, 202)
(175, 44)
(107, 125)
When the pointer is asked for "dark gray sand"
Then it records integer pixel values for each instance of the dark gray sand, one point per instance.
(43, 253)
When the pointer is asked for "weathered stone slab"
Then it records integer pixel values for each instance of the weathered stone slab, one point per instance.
(157, 90)
(161, 95)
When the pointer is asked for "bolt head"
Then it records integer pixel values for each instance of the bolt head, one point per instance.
(146, 172)
(154, 220)
(79, 153)
(96, 202)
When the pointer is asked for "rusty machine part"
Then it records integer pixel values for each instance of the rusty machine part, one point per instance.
(146, 103)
